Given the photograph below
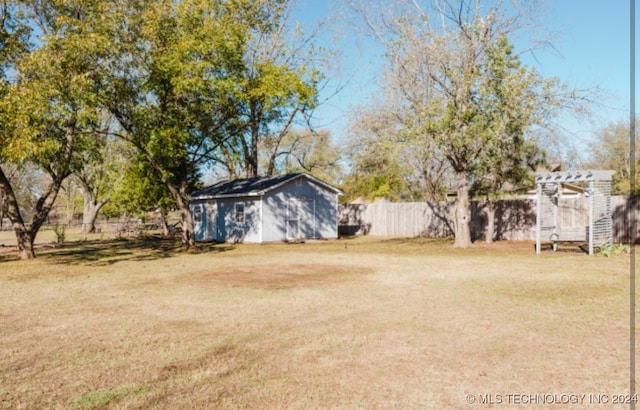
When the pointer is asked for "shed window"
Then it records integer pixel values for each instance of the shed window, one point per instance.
(240, 213)
(197, 214)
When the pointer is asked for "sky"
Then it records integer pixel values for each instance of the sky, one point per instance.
(591, 48)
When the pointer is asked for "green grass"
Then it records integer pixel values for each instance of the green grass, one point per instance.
(360, 322)
(96, 399)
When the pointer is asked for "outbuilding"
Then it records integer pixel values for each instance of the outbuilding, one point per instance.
(287, 207)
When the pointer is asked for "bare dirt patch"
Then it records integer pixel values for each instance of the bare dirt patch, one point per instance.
(276, 276)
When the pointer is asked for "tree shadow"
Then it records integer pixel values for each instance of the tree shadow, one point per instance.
(440, 223)
(418, 241)
(514, 219)
(351, 220)
(625, 221)
(565, 247)
(110, 252)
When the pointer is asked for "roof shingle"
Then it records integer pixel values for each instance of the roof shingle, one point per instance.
(252, 186)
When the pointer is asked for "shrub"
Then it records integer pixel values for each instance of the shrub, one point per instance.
(615, 249)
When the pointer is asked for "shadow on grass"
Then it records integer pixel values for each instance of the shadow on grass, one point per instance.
(418, 240)
(396, 245)
(109, 252)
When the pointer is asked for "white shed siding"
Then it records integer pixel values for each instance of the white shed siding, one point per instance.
(204, 220)
(229, 229)
(318, 211)
(266, 210)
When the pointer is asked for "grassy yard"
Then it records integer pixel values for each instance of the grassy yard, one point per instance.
(355, 323)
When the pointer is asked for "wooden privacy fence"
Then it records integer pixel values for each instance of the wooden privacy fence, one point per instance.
(514, 219)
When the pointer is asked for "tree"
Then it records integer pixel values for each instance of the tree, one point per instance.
(441, 68)
(46, 113)
(13, 42)
(611, 150)
(139, 190)
(171, 71)
(27, 181)
(303, 151)
(277, 87)
(389, 162)
(377, 169)
(103, 163)
(180, 86)
(503, 166)
(560, 149)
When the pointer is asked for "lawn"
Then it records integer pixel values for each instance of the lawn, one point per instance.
(354, 323)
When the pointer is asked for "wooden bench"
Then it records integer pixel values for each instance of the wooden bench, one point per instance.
(573, 234)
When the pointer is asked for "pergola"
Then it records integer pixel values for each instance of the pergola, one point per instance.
(598, 231)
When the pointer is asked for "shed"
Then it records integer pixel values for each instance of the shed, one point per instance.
(287, 207)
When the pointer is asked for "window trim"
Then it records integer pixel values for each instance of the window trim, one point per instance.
(239, 216)
(197, 213)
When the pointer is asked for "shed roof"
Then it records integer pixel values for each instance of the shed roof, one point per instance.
(256, 186)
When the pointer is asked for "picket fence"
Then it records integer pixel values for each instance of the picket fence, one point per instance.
(514, 220)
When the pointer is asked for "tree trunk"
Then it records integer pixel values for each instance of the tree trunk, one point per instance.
(182, 202)
(188, 238)
(24, 236)
(251, 147)
(491, 221)
(462, 213)
(90, 210)
(252, 171)
(229, 161)
(2, 207)
(283, 132)
(165, 225)
(25, 239)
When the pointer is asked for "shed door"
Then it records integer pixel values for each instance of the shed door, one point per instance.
(204, 221)
(300, 219)
(197, 216)
(210, 216)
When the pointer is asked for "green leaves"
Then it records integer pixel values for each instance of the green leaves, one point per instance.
(181, 79)
(49, 105)
(465, 90)
(611, 150)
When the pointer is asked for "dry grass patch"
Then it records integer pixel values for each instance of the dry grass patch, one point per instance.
(365, 322)
(274, 276)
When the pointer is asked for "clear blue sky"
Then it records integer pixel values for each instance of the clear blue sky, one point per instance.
(592, 48)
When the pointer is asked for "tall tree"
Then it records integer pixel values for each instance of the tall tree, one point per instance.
(13, 42)
(502, 166)
(277, 88)
(169, 80)
(440, 58)
(184, 91)
(46, 112)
